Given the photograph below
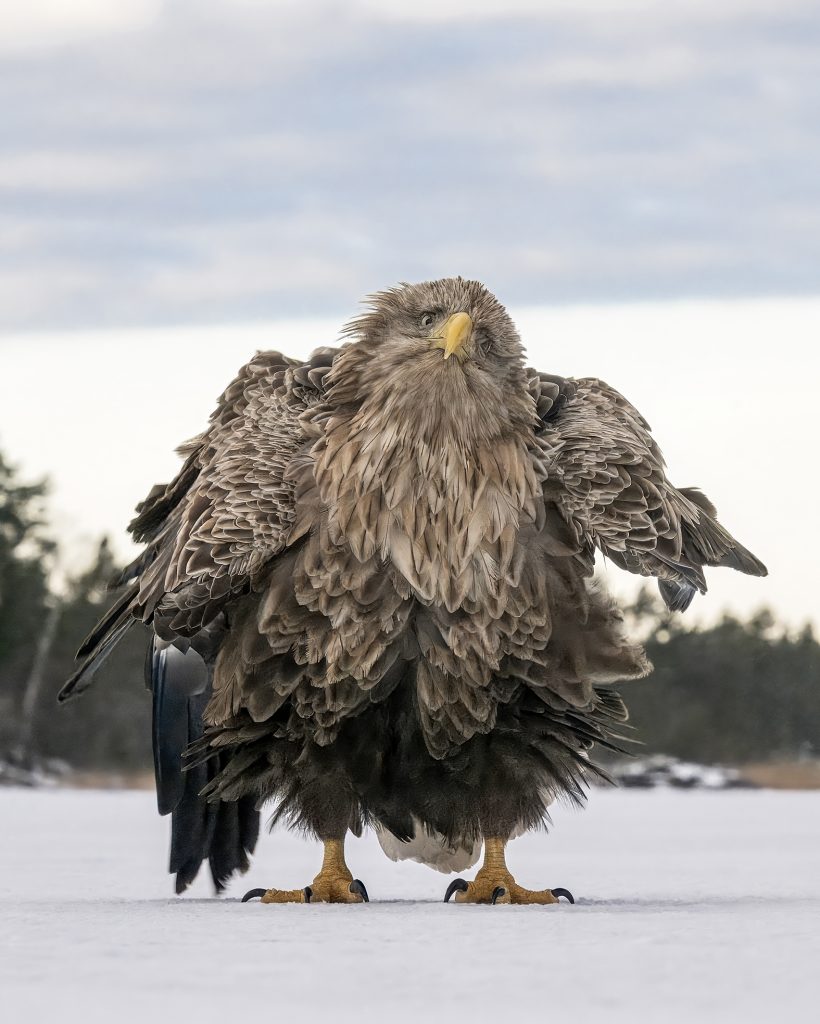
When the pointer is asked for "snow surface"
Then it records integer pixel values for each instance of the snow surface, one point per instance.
(692, 906)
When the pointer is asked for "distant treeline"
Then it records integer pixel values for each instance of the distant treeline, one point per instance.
(732, 693)
(110, 726)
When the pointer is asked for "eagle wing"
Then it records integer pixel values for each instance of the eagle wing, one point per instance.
(208, 534)
(605, 473)
(230, 509)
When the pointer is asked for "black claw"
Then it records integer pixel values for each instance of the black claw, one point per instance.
(251, 894)
(498, 892)
(557, 893)
(457, 885)
(357, 887)
(308, 893)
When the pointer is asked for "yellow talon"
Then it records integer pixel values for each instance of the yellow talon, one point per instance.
(286, 896)
(333, 884)
(494, 884)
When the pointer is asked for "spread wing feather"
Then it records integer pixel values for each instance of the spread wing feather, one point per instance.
(603, 470)
(229, 510)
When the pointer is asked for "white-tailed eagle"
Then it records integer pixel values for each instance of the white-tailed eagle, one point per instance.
(370, 591)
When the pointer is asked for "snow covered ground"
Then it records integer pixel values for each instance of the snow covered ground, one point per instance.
(692, 906)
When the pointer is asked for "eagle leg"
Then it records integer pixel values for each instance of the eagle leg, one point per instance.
(494, 884)
(333, 884)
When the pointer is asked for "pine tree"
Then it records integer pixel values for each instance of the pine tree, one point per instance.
(25, 554)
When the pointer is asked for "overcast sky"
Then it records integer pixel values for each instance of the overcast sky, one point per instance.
(183, 182)
(222, 160)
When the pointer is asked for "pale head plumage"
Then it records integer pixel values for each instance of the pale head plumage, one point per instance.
(396, 363)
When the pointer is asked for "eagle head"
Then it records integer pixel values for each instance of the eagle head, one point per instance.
(442, 359)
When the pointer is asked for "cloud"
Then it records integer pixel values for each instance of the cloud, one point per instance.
(219, 160)
(90, 171)
(49, 23)
(605, 11)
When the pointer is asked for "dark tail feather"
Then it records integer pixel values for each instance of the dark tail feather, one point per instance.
(193, 822)
(179, 683)
(222, 833)
(237, 829)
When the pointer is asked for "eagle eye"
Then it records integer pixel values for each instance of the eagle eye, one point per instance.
(484, 342)
(426, 319)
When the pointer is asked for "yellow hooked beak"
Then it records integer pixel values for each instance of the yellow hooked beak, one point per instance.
(453, 335)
